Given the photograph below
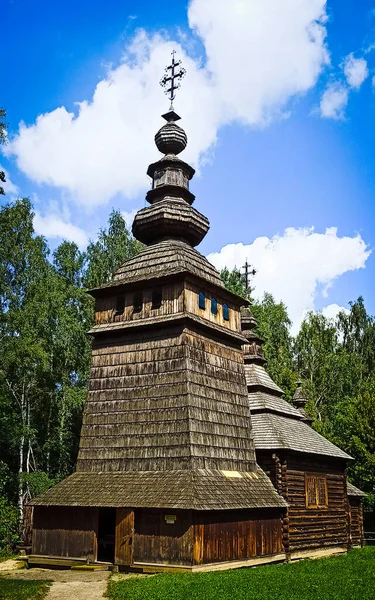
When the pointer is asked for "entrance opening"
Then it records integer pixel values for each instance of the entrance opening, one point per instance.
(106, 534)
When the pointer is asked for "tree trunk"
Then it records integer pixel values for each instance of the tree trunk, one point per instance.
(21, 459)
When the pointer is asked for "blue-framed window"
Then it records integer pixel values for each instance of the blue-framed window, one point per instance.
(225, 312)
(213, 306)
(202, 300)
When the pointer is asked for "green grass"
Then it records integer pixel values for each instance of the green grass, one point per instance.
(348, 577)
(20, 589)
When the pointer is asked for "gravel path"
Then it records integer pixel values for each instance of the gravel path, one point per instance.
(66, 585)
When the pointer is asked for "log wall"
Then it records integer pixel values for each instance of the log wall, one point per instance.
(65, 531)
(236, 535)
(356, 521)
(197, 538)
(306, 527)
(156, 541)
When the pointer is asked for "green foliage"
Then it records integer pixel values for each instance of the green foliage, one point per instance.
(235, 282)
(37, 482)
(349, 577)
(8, 527)
(273, 327)
(110, 250)
(22, 589)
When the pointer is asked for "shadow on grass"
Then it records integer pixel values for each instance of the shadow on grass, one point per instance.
(21, 589)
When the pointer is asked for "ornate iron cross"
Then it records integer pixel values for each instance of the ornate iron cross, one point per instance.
(247, 274)
(172, 78)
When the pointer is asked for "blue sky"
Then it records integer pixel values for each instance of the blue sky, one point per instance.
(278, 105)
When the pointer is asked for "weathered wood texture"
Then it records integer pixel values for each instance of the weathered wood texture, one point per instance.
(124, 537)
(356, 521)
(192, 306)
(236, 535)
(172, 302)
(308, 527)
(65, 531)
(206, 537)
(157, 541)
(173, 399)
(176, 298)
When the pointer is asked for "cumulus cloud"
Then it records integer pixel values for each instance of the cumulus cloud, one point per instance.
(355, 70)
(336, 95)
(53, 226)
(292, 266)
(334, 101)
(259, 54)
(332, 311)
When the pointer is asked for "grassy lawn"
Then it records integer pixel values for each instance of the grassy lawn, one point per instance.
(348, 577)
(20, 589)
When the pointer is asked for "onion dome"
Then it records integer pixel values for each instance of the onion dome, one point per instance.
(253, 351)
(171, 139)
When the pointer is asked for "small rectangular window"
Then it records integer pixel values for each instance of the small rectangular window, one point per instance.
(202, 301)
(137, 302)
(213, 306)
(316, 490)
(225, 312)
(156, 298)
(120, 304)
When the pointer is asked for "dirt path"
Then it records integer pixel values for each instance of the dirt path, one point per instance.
(66, 585)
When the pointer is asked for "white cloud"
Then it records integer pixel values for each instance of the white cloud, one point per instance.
(259, 55)
(52, 226)
(355, 70)
(292, 265)
(332, 310)
(129, 216)
(8, 186)
(334, 101)
(336, 95)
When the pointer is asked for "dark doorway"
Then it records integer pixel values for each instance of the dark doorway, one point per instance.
(106, 534)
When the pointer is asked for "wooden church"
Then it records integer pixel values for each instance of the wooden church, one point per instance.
(189, 457)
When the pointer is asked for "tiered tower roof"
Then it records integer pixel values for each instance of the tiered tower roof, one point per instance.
(277, 424)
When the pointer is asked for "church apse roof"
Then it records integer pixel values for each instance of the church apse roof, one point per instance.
(277, 424)
(275, 432)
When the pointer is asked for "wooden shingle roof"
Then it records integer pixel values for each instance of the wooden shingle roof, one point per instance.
(197, 490)
(354, 491)
(257, 377)
(274, 432)
(165, 258)
(263, 402)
